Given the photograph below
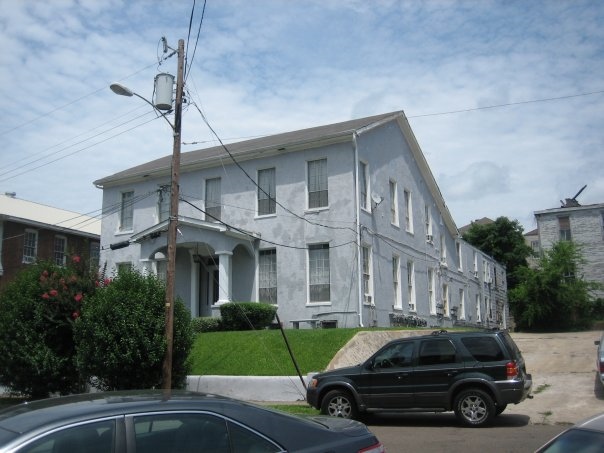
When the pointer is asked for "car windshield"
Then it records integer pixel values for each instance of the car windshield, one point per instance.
(577, 441)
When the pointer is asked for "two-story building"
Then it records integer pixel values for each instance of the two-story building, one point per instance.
(32, 231)
(341, 224)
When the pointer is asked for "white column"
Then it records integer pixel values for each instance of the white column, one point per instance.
(224, 277)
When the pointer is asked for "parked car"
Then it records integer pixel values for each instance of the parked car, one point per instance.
(586, 436)
(149, 422)
(600, 358)
(475, 374)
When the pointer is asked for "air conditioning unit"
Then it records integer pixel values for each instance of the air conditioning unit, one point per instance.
(429, 238)
(475, 274)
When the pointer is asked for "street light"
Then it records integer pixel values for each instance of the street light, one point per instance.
(173, 221)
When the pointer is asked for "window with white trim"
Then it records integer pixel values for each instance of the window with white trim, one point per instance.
(267, 203)
(59, 250)
(318, 273)
(459, 257)
(367, 281)
(267, 276)
(564, 227)
(443, 249)
(396, 282)
(126, 210)
(462, 305)
(475, 259)
(431, 295)
(364, 185)
(393, 203)
(408, 212)
(213, 200)
(411, 285)
(95, 255)
(317, 184)
(428, 222)
(30, 246)
(163, 203)
(446, 300)
(487, 305)
(478, 311)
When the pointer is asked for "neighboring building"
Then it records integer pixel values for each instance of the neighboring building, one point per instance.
(340, 224)
(583, 225)
(31, 232)
(484, 221)
(532, 240)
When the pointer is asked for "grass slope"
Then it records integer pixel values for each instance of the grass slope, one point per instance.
(264, 352)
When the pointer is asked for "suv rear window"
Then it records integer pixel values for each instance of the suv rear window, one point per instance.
(483, 349)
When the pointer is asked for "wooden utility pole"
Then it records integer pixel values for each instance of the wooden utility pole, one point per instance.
(173, 223)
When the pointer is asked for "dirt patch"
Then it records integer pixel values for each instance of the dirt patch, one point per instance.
(563, 365)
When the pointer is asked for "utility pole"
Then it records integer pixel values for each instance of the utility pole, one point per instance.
(173, 224)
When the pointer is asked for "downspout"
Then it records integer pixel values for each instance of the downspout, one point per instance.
(358, 224)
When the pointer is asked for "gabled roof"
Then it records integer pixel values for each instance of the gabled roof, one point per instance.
(483, 221)
(39, 215)
(286, 142)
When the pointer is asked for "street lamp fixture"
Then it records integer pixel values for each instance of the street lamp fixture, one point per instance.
(173, 221)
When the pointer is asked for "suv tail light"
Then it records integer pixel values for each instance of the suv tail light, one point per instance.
(511, 370)
(377, 448)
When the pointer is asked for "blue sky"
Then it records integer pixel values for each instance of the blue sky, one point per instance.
(268, 66)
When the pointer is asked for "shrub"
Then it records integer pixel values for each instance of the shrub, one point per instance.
(38, 310)
(121, 335)
(206, 324)
(246, 315)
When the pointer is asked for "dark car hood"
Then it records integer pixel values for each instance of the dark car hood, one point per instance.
(356, 369)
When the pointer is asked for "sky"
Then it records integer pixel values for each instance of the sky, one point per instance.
(506, 98)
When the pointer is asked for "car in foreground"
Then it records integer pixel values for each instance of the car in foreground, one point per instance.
(178, 422)
(600, 358)
(587, 436)
(476, 374)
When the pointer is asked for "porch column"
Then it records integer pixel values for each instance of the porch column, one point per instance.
(224, 277)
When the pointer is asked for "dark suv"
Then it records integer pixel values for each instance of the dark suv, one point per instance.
(475, 374)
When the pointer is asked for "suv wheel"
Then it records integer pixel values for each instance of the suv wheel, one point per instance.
(474, 407)
(339, 403)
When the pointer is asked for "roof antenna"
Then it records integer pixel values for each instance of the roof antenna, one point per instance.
(572, 202)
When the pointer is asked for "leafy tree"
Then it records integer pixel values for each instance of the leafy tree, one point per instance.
(38, 310)
(121, 335)
(504, 241)
(553, 296)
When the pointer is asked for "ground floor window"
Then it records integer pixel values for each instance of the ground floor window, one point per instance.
(267, 264)
(318, 273)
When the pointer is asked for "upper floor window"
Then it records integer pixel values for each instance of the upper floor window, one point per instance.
(396, 278)
(459, 258)
(163, 203)
(393, 203)
(367, 282)
(443, 249)
(364, 183)
(318, 273)
(267, 275)
(408, 212)
(126, 210)
(60, 247)
(428, 220)
(475, 259)
(317, 184)
(267, 203)
(564, 226)
(30, 246)
(213, 199)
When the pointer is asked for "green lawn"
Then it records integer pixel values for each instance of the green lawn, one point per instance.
(264, 352)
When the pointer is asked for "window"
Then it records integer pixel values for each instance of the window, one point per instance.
(462, 304)
(30, 246)
(486, 269)
(126, 211)
(161, 268)
(445, 300)
(487, 305)
(163, 203)
(95, 255)
(564, 226)
(317, 184)
(411, 285)
(318, 273)
(475, 259)
(443, 250)
(436, 352)
(398, 355)
(267, 263)
(77, 438)
(60, 248)
(459, 259)
(124, 267)
(428, 220)
(478, 311)
(431, 298)
(408, 212)
(364, 183)
(396, 278)
(367, 282)
(483, 349)
(213, 194)
(393, 203)
(267, 203)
